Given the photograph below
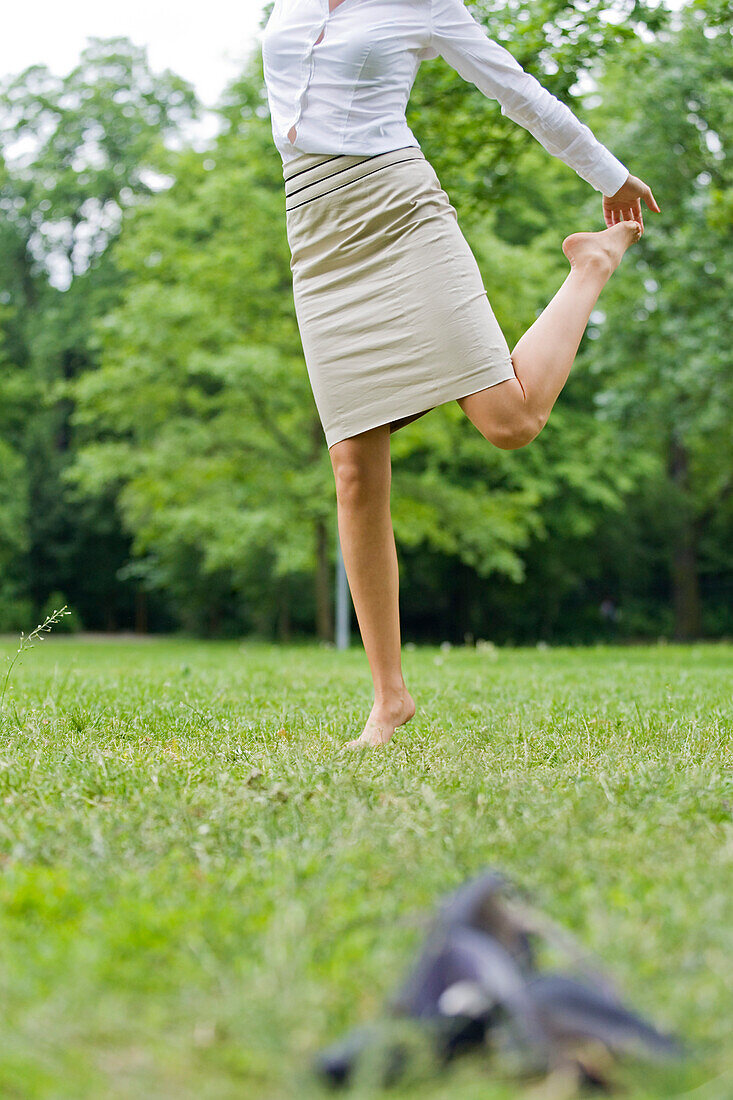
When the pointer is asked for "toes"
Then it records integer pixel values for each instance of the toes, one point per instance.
(363, 743)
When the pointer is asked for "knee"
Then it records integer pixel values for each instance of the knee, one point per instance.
(516, 431)
(354, 483)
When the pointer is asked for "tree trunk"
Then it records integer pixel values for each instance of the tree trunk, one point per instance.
(324, 617)
(283, 612)
(141, 611)
(323, 580)
(685, 579)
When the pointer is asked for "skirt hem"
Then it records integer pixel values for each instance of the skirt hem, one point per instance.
(418, 406)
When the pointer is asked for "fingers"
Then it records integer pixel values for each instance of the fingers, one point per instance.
(651, 201)
(614, 215)
(618, 210)
(631, 209)
(633, 214)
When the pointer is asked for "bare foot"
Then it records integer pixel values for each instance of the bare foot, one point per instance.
(383, 721)
(604, 249)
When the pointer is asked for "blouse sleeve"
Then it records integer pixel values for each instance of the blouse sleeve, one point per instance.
(464, 44)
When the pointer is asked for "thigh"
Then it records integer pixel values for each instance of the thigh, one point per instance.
(492, 409)
(366, 455)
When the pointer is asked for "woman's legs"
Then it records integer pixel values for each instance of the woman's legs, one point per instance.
(510, 414)
(363, 474)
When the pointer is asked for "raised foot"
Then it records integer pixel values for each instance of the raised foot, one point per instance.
(382, 722)
(603, 250)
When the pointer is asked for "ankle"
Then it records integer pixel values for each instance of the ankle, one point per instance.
(386, 696)
(597, 266)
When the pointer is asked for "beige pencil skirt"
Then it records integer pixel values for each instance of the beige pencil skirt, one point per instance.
(391, 308)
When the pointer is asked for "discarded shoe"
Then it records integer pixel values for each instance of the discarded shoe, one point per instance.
(477, 984)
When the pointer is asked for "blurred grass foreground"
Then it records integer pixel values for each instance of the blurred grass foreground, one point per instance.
(197, 890)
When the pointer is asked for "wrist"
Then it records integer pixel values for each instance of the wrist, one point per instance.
(610, 174)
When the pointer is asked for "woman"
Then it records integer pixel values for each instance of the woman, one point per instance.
(391, 308)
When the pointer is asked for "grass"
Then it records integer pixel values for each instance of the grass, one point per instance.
(197, 890)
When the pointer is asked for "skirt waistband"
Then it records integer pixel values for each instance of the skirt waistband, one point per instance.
(312, 175)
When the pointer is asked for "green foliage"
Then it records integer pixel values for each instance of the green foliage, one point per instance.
(202, 398)
(13, 525)
(475, 148)
(95, 135)
(665, 371)
(162, 456)
(67, 623)
(202, 405)
(77, 150)
(14, 502)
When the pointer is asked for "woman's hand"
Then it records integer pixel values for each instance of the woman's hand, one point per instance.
(625, 205)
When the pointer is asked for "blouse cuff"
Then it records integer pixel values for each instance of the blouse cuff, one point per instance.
(608, 174)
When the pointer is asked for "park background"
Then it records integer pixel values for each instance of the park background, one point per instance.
(198, 887)
(162, 466)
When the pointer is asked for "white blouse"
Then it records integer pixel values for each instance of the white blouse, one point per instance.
(339, 81)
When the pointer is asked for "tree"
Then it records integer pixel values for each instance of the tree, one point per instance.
(669, 378)
(202, 418)
(77, 150)
(15, 403)
(177, 452)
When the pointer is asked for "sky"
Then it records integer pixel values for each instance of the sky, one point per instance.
(204, 41)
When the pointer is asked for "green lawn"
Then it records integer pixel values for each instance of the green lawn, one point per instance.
(197, 890)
